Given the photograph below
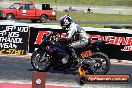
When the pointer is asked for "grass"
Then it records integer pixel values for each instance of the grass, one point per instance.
(94, 17)
(93, 25)
(87, 2)
(83, 25)
(103, 25)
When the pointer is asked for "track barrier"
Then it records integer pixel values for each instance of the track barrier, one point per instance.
(20, 38)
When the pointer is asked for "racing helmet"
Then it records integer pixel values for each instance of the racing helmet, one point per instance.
(65, 21)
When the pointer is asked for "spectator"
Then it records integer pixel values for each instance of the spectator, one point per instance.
(89, 10)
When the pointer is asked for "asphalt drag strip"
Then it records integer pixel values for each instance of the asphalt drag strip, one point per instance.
(17, 71)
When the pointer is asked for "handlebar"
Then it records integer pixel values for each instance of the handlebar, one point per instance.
(53, 37)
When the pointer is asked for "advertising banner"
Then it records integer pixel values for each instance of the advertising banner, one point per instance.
(14, 39)
(36, 35)
(118, 44)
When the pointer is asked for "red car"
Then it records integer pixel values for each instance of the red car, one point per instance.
(27, 10)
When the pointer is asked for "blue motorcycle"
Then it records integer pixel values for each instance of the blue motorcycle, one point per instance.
(52, 53)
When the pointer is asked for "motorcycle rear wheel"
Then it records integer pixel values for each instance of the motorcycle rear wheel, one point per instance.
(100, 60)
(40, 61)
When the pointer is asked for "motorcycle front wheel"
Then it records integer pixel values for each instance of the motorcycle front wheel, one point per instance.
(40, 61)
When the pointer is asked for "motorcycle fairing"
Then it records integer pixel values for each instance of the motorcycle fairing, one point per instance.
(56, 48)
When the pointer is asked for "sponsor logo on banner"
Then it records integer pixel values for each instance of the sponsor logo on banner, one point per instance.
(41, 33)
(13, 39)
(127, 48)
(113, 78)
(124, 41)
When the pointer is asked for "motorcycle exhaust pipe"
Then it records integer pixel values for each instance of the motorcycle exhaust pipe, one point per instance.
(87, 63)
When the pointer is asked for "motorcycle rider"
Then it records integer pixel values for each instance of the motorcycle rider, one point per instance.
(73, 28)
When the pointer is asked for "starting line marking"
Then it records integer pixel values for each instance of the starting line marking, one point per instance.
(28, 82)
